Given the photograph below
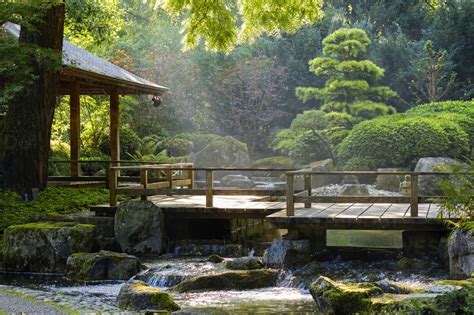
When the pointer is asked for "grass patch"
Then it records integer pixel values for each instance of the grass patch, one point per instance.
(53, 201)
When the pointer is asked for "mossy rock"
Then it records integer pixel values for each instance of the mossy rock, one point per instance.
(104, 265)
(460, 301)
(229, 280)
(224, 152)
(215, 259)
(244, 263)
(136, 295)
(45, 246)
(342, 298)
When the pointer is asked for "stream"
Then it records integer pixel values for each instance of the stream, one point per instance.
(289, 296)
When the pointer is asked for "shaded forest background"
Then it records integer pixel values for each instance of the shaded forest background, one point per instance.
(249, 93)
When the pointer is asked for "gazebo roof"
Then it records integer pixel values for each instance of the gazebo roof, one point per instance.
(96, 75)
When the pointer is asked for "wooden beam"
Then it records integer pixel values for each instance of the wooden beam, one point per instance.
(75, 128)
(114, 126)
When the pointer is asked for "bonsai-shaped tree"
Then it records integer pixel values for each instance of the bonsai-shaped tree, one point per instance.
(351, 79)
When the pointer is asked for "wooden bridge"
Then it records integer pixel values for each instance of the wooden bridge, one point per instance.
(173, 187)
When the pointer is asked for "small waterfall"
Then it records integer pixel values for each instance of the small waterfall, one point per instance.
(251, 253)
(163, 280)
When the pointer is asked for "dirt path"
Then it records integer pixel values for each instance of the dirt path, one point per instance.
(11, 303)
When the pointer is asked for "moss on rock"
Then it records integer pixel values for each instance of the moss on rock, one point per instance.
(104, 265)
(45, 246)
(342, 298)
(230, 280)
(244, 263)
(137, 296)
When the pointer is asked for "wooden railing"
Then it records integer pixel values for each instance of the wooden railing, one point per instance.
(308, 198)
(178, 186)
(105, 166)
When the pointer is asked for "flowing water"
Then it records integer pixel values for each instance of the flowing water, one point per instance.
(289, 296)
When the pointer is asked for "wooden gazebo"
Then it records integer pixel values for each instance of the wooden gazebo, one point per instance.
(84, 73)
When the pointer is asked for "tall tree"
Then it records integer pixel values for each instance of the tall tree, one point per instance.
(434, 76)
(351, 80)
(27, 127)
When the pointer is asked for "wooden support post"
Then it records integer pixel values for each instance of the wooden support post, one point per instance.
(114, 126)
(191, 177)
(307, 188)
(414, 196)
(144, 182)
(75, 128)
(113, 187)
(209, 188)
(290, 196)
(107, 175)
(169, 178)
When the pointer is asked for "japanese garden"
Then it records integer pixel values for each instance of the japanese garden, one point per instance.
(236, 157)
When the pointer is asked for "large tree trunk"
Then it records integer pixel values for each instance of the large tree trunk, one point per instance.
(30, 114)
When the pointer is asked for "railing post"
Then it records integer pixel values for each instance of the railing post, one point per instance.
(169, 177)
(191, 177)
(113, 187)
(290, 196)
(144, 183)
(107, 175)
(307, 188)
(209, 188)
(414, 195)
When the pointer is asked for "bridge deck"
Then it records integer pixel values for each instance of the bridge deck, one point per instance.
(360, 216)
(232, 207)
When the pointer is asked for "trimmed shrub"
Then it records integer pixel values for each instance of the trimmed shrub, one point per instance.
(400, 140)
(460, 112)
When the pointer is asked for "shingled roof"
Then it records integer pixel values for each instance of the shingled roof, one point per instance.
(96, 75)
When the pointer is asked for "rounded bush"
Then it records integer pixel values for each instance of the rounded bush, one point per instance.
(400, 140)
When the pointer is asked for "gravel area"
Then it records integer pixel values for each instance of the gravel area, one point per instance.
(11, 303)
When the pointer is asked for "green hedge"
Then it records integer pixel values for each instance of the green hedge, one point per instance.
(460, 112)
(402, 139)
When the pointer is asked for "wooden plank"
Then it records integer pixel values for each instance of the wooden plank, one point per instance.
(353, 199)
(144, 183)
(396, 211)
(333, 210)
(354, 211)
(113, 188)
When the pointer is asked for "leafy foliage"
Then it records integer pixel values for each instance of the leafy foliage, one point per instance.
(458, 197)
(216, 21)
(313, 135)
(401, 139)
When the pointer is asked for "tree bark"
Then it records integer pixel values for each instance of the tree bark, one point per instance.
(30, 114)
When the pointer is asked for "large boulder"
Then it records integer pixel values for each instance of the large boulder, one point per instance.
(342, 298)
(389, 182)
(139, 227)
(239, 181)
(287, 253)
(223, 152)
(428, 184)
(45, 246)
(244, 263)
(229, 280)
(136, 295)
(461, 254)
(103, 265)
(317, 180)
